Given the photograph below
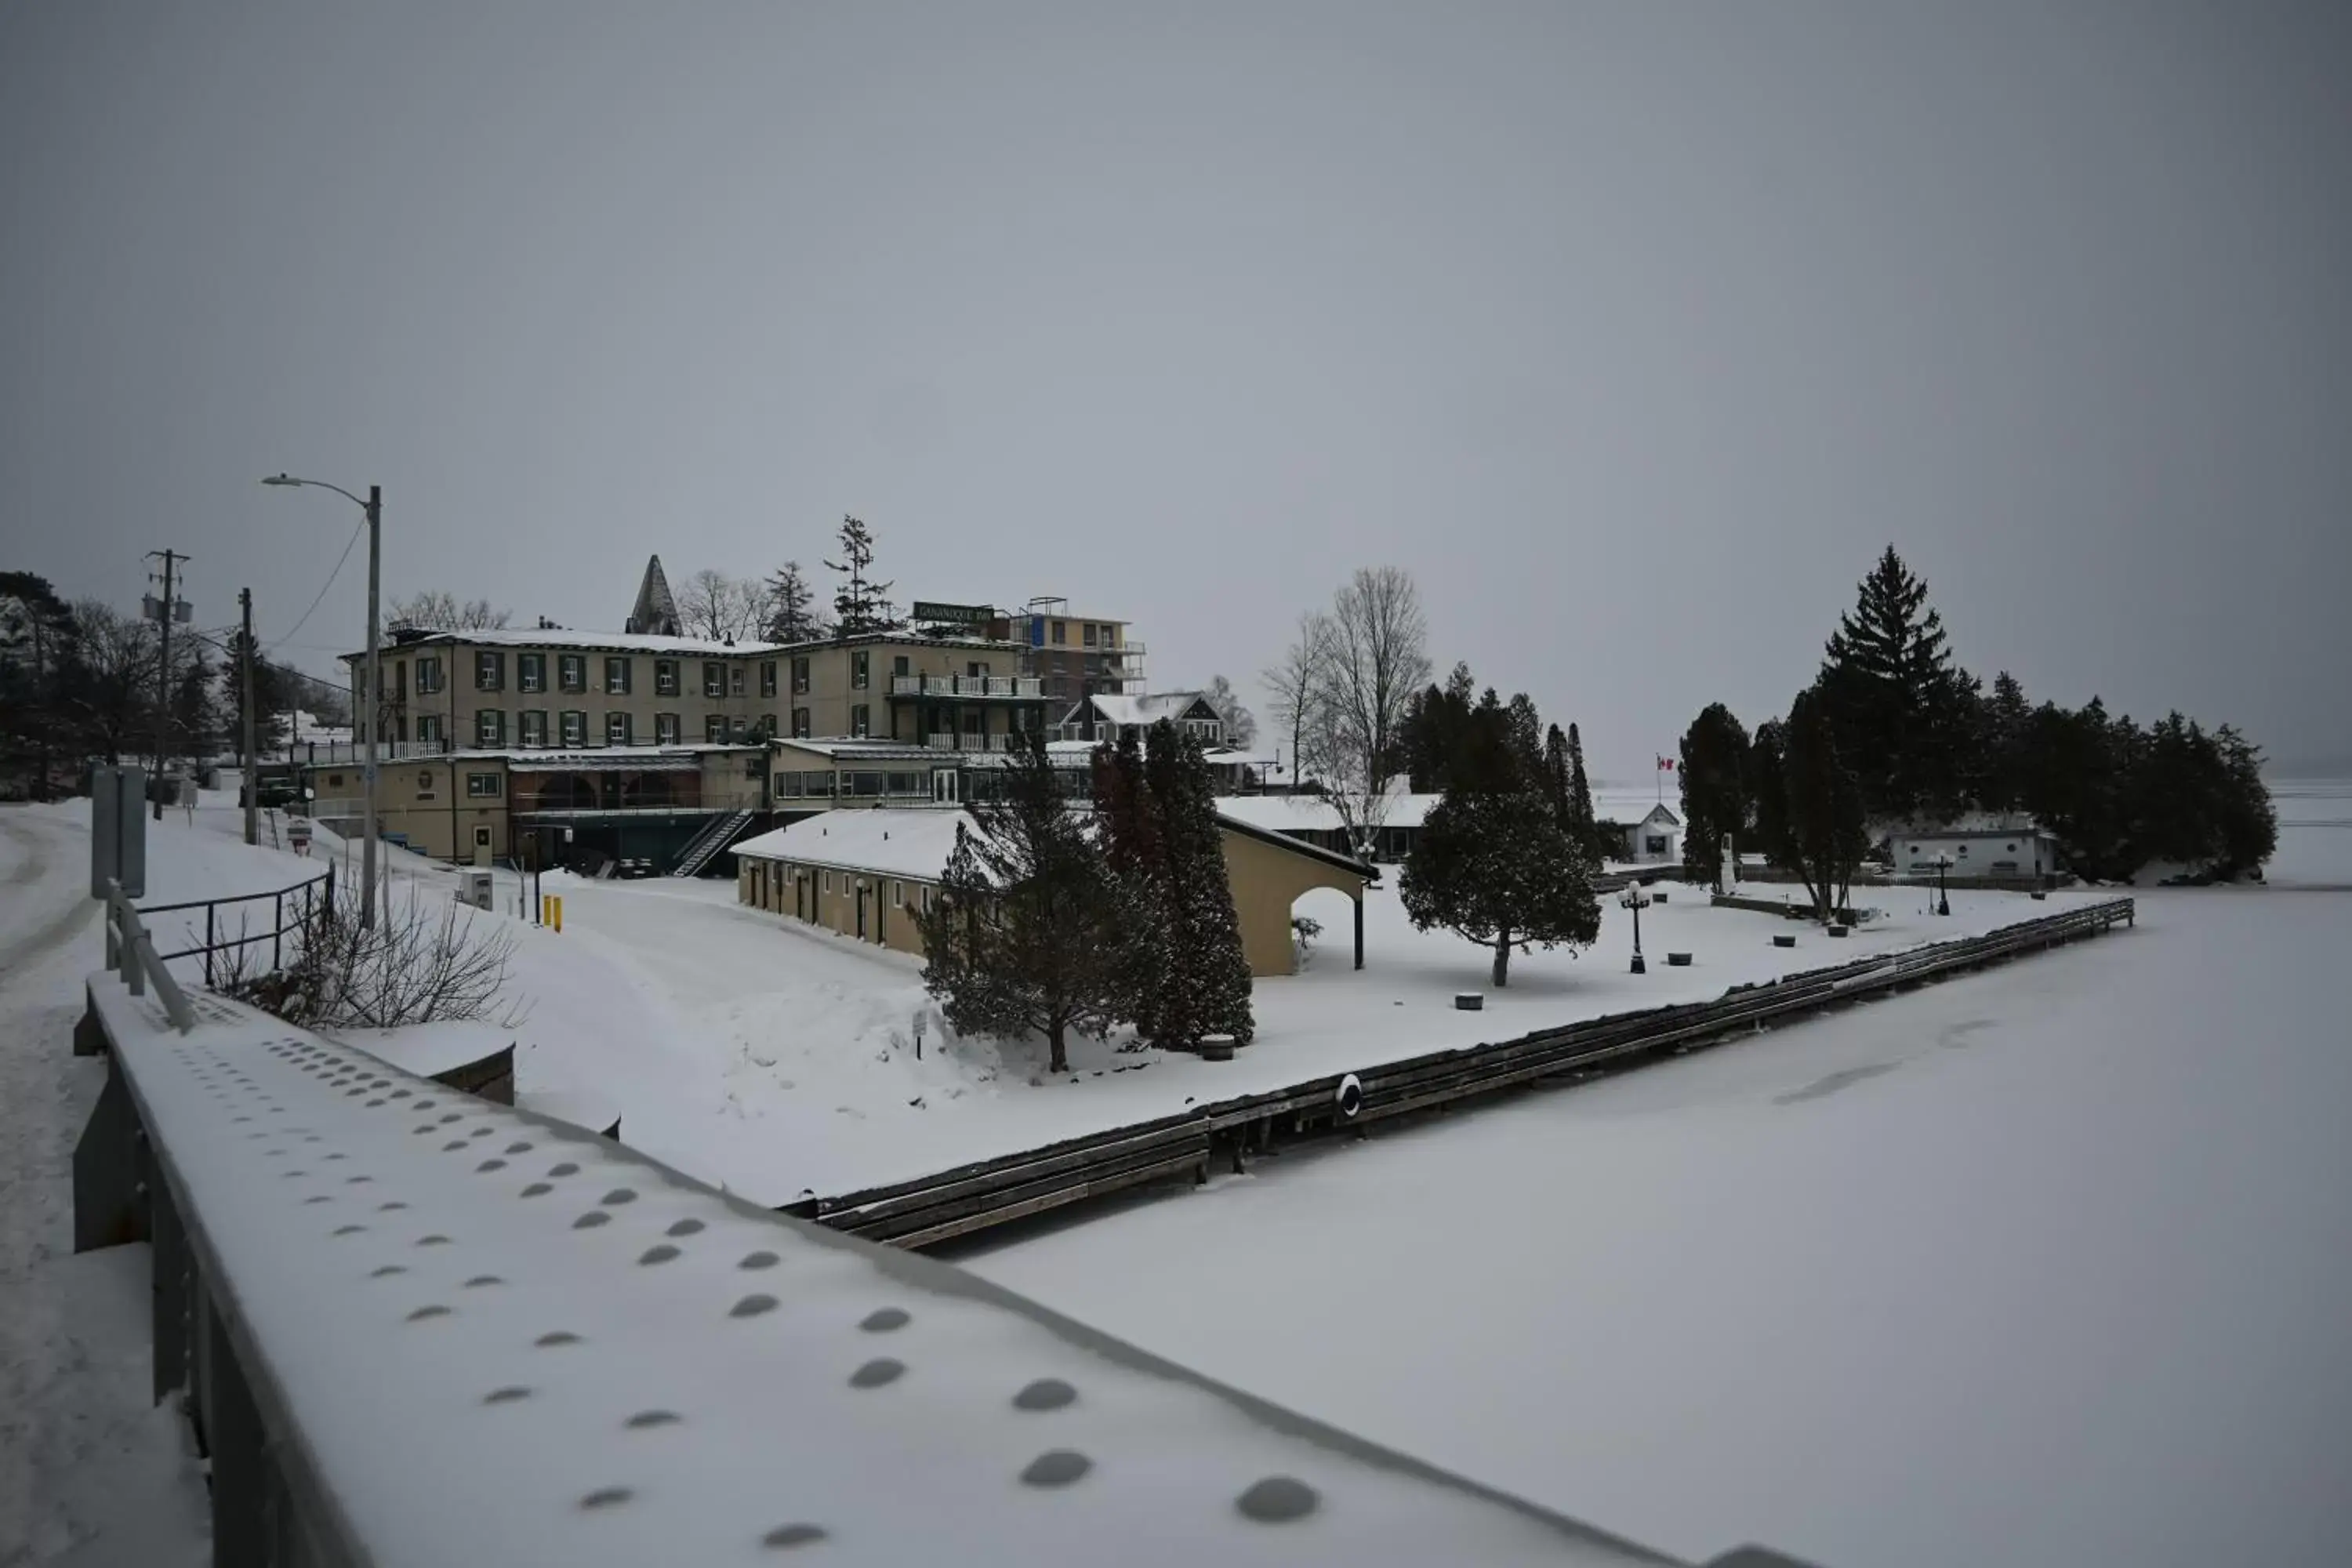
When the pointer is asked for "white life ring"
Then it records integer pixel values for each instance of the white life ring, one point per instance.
(1349, 1097)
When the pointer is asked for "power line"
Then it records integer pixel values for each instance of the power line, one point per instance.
(330, 583)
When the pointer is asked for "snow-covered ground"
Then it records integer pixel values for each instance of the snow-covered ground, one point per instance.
(2049, 1264)
(782, 1062)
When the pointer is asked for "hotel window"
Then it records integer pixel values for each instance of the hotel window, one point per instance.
(858, 721)
(571, 671)
(899, 665)
(899, 895)
(828, 881)
(489, 727)
(739, 730)
(800, 675)
(616, 678)
(714, 729)
(664, 729)
(616, 728)
(800, 723)
(714, 679)
(489, 671)
(1062, 632)
(858, 661)
(428, 674)
(768, 725)
(735, 680)
(665, 678)
(767, 678)
(534, 727)
(481, 786)
(530, 672)
(1087, 632)
(575, 727)
(428, 729)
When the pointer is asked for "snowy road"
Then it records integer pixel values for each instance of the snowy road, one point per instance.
(2049, 1264)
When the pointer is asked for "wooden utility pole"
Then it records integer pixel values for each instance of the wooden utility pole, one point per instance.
(163, 613)
(249, 755)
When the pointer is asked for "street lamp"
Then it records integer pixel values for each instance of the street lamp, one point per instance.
(373, 508)
(1634, 898)
(1943, 894)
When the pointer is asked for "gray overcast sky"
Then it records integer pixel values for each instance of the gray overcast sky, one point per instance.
(1634, 330)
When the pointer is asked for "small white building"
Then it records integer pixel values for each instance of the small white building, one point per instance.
(1977, 849)
(1657, 838)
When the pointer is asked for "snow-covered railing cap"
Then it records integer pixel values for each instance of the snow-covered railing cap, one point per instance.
(478, 1335)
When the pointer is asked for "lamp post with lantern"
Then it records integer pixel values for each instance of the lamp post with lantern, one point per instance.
(1634, 898)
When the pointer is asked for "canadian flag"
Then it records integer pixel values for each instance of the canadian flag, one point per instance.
(1666, 764)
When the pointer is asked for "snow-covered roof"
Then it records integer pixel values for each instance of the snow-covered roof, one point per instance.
(916, 841)
(589, 642)
(896, 841)
(1149, 708)
(685, 648)
(1226, 757)
(1312, 813)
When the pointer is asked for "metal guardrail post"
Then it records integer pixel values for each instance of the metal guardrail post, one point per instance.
(168, 1243)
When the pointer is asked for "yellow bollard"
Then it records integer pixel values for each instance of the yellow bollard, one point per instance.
(557, 899)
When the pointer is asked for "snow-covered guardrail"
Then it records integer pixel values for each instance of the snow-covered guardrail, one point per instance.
(416, 1328)
(974, 1197)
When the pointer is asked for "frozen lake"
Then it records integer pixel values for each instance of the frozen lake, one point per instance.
(2045, 1266)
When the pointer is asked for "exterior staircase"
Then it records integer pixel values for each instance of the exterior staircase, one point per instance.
(704, 847)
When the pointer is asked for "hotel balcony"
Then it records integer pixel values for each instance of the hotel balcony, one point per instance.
(1020, 687)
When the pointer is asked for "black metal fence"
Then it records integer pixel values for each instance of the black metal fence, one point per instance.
(303, 899)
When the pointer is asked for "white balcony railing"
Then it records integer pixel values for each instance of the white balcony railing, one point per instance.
(1014, 686)
(942, 741)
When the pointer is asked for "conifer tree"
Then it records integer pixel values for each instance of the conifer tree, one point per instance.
(1493, 862)
(1583, 826)
(791, 613)
(1204, 978)
(1025, 935)
(1826, 835)
(860, 605)
(1768, 796)
(1128, 828)
(1898, 708)
(1714, 792)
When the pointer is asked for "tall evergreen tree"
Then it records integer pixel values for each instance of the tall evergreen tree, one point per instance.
(1128, 827)
(1826, 835)
(1025, 934)
(1559, 785)
(792, 606)
(1437, 720)
(2003, 723)
(1205, 980)
(860, 605)
(1768, 796)
(1598, 842)
(2249, 821)
(1493, 862)
(1897, 706)
(1714, 764)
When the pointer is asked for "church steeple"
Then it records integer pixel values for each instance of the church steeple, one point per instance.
(656, 611)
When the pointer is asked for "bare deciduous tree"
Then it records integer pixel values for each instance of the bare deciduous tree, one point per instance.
(722, 608)
(420, 963)
(1240, 725)
(440, 610)
(1378, 658)
(1296, 684)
